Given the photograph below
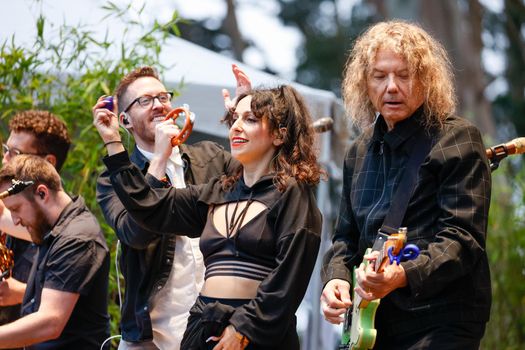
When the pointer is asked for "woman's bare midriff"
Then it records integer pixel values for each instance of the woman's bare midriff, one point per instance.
(230, 287)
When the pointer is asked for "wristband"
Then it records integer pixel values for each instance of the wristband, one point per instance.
(110, 142)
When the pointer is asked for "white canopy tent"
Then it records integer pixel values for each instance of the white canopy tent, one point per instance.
(204, 74)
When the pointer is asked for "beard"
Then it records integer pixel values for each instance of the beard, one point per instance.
(144, 134)
(39, 227)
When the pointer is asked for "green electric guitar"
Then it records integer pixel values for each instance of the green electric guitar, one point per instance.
(358, 329)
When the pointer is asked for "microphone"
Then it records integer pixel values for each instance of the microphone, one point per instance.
(516, 146)
(323, 124)
(498, 152)
(17, 186)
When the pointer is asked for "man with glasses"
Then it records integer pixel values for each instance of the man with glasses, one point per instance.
(163, 274)
(33, 132)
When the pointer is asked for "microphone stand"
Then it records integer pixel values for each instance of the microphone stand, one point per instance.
(496, 153)
(494, 164)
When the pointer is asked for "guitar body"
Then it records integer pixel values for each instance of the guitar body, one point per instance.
(362, 331)
(361, 334)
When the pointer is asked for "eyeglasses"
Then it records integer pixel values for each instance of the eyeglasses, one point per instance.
(146, 101)
(16, 152)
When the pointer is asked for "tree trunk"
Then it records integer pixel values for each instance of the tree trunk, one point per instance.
(231, 28)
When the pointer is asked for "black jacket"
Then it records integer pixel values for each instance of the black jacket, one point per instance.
(446, 218)
(147, 256)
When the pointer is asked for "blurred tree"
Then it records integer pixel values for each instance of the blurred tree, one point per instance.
(506, 247)
(507, 33)
(328, 34)
(219, 35)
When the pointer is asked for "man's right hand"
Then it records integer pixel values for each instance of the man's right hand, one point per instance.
(335, 300)
(11, 292)
(105, 121)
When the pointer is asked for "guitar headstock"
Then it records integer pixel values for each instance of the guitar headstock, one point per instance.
(395, 242)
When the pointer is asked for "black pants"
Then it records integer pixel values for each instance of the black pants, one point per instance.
(453, 336)
(209, 316)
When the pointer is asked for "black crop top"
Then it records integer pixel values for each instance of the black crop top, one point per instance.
(250, 252)
(285, 238)
(227, 256)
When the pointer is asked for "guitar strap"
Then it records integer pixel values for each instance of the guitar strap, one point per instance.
(396, 213)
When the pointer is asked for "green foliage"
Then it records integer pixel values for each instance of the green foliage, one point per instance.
(65, 72)
(506, 248)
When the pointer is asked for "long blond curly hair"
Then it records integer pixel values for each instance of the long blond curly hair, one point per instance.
(427, 61)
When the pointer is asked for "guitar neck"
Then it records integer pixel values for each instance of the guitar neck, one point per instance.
(383, 262)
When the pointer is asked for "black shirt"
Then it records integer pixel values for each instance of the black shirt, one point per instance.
(73, 258)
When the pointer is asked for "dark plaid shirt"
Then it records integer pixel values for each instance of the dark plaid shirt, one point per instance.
(446, 218)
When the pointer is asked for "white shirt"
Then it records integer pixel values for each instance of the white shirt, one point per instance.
(169, 308)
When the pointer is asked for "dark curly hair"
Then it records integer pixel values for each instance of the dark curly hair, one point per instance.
(287, 114)
(51, 135)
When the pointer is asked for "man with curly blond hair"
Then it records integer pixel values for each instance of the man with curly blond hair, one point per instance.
(398, 87)
(35, 132)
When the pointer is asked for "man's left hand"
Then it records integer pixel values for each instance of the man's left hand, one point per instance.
(373, 285)
(164, 132)
(11, 292)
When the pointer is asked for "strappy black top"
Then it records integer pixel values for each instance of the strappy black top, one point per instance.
(228, 256)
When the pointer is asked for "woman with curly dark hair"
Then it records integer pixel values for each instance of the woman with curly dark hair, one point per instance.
(260, 227)
(290, 119)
